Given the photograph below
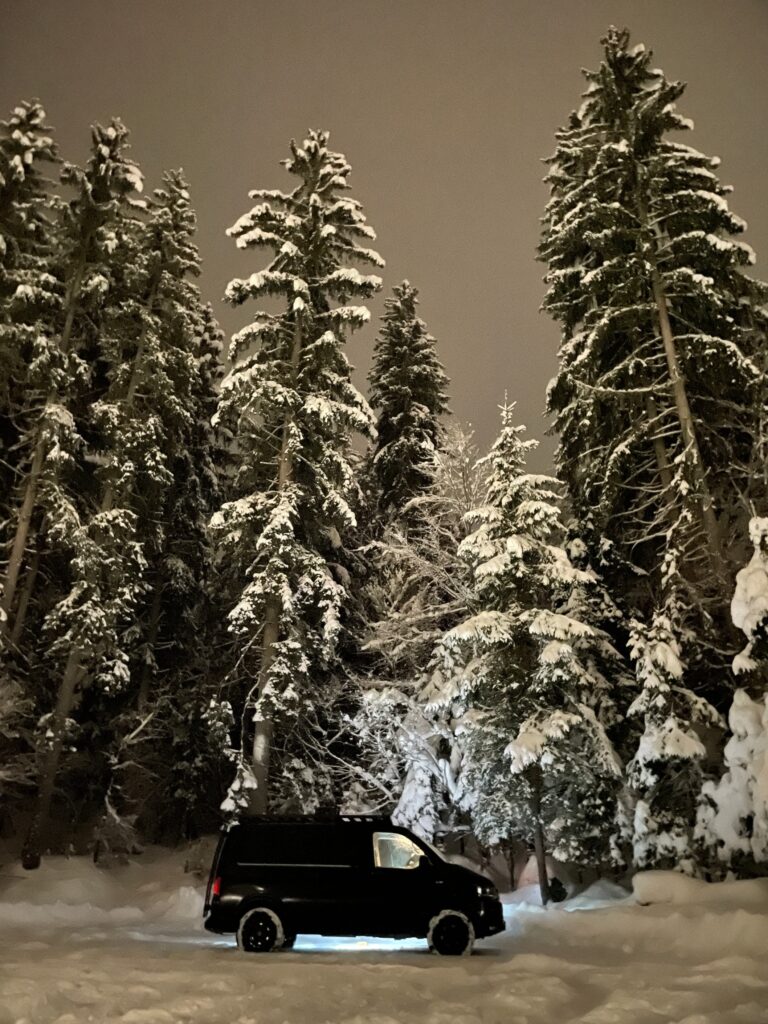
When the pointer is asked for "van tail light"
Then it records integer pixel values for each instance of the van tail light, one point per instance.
(216, 887)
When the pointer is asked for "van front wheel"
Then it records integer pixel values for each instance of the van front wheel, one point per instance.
(260, 931)
(451, 933)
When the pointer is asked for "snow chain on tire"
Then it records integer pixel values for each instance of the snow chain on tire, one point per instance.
(436, 926)
(279, 930)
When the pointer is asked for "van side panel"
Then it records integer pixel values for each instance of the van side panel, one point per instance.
(316, 874)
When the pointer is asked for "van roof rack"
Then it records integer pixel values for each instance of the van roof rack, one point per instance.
(381, 818)
(321, 815)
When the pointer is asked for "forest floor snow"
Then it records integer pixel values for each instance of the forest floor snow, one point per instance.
(80, 944)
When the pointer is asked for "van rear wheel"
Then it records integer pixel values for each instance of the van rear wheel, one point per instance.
(451, 933)
(260, 931)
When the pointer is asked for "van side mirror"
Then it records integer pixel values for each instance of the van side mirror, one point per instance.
(424, 863)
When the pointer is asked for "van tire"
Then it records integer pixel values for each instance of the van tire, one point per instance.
(260, 931)
(451, 933)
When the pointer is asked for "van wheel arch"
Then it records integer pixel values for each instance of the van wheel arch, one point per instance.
(267, 903)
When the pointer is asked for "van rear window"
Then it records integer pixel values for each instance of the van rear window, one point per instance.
(292, 844)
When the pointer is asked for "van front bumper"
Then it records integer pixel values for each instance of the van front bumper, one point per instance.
(489, 919)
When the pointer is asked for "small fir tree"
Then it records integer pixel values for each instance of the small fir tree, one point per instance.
(408, 394)
(539, 763)
(733, 814)
(418, 588)
(666, 771)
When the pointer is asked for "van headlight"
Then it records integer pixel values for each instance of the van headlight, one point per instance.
(487, 890)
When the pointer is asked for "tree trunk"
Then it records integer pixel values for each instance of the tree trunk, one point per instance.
(262, 738)
(684, 415)
(659, 448)
(18, 547)
(31, 852)
(539, 846)
(27, 508)
(262, 747)
(510, 859)
(154, 628)
(541, 862)
(25, 597)
(688, 429)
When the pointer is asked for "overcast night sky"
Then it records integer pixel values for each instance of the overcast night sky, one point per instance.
(444, 110)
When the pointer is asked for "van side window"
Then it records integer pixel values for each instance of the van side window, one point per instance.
(294, 844)
(391, 850)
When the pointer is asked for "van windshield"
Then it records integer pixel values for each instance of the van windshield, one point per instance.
(394, 850)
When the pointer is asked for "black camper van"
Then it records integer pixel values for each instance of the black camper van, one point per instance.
(273, 878)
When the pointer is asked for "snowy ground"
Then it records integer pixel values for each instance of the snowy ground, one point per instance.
(79, 944)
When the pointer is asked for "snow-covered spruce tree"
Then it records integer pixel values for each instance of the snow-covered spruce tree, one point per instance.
(655, 402)
(28, 299)
(666, 771)
(408, 394)
(149, 416)
(183, 562)
(732, 823)
(88, 232)
(291, 407)
(733, 815)
(539, 765)
(83, 519)
(418, 587)
(155, 439)
(176, 662)
(27, 288)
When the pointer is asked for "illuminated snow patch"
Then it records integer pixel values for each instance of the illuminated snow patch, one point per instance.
(181, 938)
(356, 944)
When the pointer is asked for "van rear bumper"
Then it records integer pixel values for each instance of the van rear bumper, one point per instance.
(221, 920)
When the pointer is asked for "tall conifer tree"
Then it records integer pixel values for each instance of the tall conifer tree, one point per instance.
(29, 297)
(28, 292)
(656, 404)
(291, 407)
(80, 512)
(91, 227)
(155, 465)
